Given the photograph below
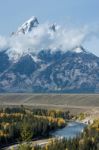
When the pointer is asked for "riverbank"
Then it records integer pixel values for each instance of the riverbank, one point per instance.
(72, 130)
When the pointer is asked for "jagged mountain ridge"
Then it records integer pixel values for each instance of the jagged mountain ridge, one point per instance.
(31, 24)
(71, 71)
(51, 72)
(28, 26)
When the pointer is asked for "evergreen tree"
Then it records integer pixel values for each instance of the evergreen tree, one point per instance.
(26, 131)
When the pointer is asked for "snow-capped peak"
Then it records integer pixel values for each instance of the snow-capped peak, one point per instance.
(28, 26)
(79, 49)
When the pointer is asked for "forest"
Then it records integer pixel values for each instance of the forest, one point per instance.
(88, 140)
(24, 124)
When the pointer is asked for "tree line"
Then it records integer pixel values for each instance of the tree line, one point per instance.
(21, 124)
(88, 140)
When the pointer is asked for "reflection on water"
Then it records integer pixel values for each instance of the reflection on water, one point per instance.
(72, 130)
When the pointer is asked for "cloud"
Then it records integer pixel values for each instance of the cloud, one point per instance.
(3, 43)
(43, 37)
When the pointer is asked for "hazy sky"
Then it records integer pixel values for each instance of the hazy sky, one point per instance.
(70, 12)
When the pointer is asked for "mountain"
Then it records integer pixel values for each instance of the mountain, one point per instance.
(28, 26)
(72, 71)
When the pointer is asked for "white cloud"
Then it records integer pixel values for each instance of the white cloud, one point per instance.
(3, 43)
(43, 38)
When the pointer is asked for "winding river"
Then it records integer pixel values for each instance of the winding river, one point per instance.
(72, 130)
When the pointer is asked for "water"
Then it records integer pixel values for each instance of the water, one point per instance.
(72, 130)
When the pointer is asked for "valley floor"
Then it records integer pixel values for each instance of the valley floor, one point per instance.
(76, 103)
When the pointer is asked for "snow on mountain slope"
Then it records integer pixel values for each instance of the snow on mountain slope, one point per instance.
(79, 49)
(28, 26)
(51, 72)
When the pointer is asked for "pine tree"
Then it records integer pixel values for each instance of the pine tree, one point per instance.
(26, 131)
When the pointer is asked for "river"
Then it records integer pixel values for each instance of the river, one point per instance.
(72, 130)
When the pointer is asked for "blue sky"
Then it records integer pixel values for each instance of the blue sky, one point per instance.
(72, 12)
